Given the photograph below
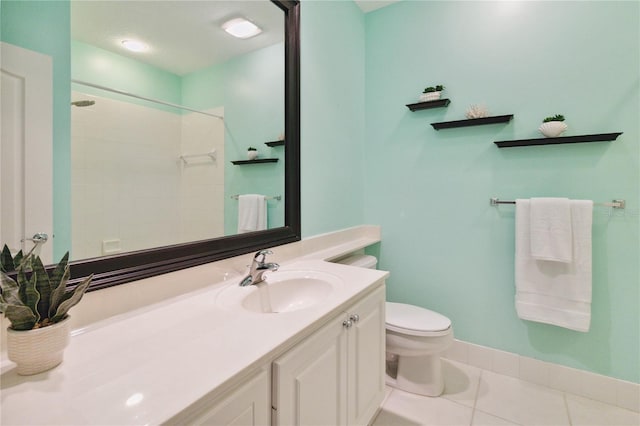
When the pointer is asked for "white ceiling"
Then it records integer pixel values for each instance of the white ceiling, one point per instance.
(184, 36)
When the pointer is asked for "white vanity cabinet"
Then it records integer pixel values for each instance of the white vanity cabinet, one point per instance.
(247, 405)
(336, 375)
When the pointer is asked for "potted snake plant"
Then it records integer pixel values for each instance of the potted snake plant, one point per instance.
(37, 303)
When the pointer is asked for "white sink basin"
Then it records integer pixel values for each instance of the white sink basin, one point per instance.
(283, 291)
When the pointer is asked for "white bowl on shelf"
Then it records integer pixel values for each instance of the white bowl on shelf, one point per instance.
(552, 129)
(430, 96)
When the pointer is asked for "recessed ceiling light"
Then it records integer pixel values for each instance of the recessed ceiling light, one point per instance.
(134, 45)
(241, 28)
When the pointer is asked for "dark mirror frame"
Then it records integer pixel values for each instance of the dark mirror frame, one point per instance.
(122, 268)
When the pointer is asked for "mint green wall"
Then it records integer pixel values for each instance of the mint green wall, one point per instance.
(446, 248)
(98, 66)
(203, 89)
(43, 26)
(254, 114)
(332, 115)
(250, 87)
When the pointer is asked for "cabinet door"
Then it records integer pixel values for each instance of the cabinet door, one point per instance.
(309, 381)
(366, 358)
(247, 405)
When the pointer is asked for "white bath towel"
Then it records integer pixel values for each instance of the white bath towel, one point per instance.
(551, 237)
(252, 213)
(555, 292)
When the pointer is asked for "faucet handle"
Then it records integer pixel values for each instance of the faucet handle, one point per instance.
(262, 253)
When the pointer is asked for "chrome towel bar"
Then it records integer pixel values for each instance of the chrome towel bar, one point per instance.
(275, 197)
(211, 154)
(616, 204)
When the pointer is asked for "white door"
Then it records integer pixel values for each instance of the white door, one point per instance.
(26, 153)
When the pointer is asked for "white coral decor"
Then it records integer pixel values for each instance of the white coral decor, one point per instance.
(477, 111)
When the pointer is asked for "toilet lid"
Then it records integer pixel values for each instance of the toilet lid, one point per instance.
(402, 317)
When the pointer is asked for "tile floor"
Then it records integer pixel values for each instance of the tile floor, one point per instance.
(479, 397)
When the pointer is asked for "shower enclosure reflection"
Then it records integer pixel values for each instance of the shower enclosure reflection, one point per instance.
(131, 186)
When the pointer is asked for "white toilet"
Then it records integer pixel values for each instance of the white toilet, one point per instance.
(416, 338)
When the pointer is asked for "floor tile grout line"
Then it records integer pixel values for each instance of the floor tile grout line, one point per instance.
(475, 397)
(511, 421)
(566, 407)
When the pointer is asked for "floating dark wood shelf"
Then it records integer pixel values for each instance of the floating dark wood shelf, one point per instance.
(258, 161)
(602, 137)
(473, 122)
(275, 143)
(429, 104)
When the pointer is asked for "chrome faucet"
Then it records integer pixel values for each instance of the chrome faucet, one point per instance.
(258, 268)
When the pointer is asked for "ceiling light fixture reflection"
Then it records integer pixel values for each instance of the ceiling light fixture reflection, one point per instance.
(241, 28)
(134, 399)
(134, 45)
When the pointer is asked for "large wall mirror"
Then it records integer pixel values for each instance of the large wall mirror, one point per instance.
(164, 104)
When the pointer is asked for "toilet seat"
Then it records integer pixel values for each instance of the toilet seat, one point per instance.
(415, 321)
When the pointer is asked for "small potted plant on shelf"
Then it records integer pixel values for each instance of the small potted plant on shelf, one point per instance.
(431, 93)
(553, 126)
(252, 153)
(36, 303)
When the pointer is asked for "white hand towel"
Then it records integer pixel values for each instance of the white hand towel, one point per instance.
(252, 213)
(551, 235)
(554, 292)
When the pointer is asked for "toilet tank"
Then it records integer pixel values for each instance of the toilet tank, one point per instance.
(360, 260)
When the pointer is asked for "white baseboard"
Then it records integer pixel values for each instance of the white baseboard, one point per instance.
(578, 382)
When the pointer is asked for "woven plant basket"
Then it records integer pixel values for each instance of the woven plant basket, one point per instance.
(35, 351)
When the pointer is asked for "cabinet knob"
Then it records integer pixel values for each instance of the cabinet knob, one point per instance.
(354, 317)
(347, 323)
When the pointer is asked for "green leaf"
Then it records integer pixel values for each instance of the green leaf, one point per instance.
(6, 260)
(20, 316)
(23, 261)
(78, 292)
(59, 271)
(22, 280)
(10, 290)
(31, 295)
(58, 292)
(43, 286)
(17, 261)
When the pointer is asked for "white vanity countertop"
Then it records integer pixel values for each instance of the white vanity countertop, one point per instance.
(148, 365)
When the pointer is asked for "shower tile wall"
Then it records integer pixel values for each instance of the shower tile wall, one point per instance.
(202, 180)
(128, 181)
